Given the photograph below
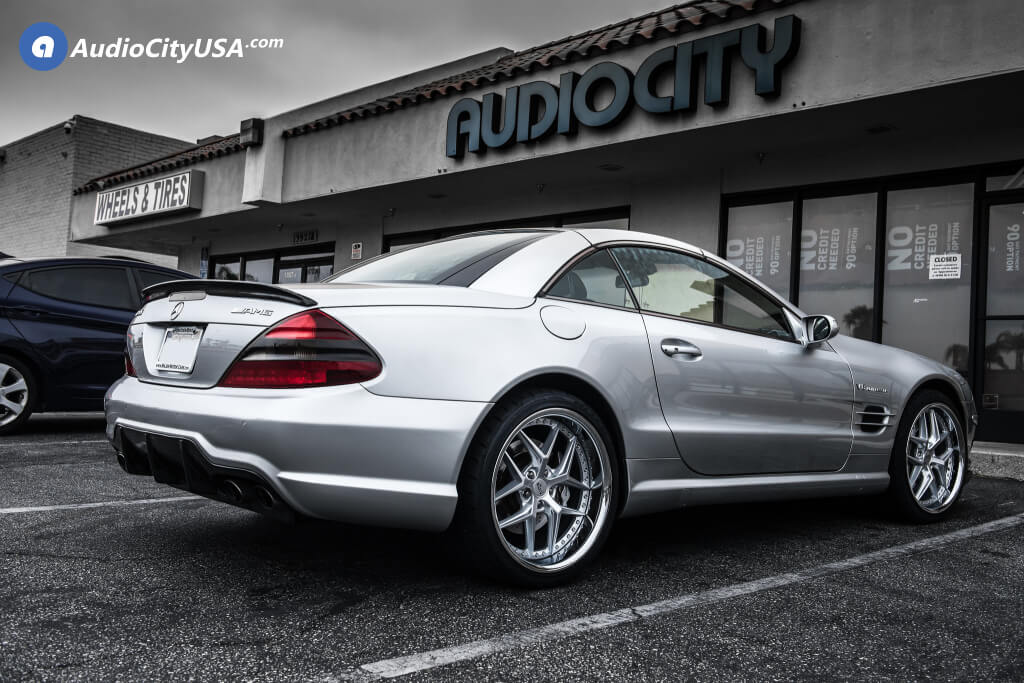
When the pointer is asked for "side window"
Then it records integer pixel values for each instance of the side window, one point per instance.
(95, 286)
(685, 286)
(148, 278)
(595, 279)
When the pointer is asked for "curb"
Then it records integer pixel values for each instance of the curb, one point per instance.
(998, 460)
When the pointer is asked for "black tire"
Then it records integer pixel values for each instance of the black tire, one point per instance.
(902, 471)
(537, 412)
(12, 369)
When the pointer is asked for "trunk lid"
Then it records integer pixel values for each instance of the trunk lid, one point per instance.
(200, 327)
(222, 317)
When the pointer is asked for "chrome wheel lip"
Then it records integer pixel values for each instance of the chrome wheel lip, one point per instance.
(926, 435)
(603, 489)
(12, 384)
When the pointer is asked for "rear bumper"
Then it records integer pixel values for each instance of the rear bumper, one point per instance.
(338, 453)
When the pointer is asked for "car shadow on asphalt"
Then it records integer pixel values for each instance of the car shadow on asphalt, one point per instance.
(87, 425)
(681, 551)
(688, 540)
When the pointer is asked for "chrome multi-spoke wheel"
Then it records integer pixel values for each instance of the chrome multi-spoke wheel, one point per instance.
(14, 394)
(935, 458)
(551, 489)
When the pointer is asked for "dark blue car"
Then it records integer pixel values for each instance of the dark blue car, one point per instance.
(62, 330)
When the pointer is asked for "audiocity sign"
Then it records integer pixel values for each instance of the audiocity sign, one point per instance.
(179, 192)
(534, 110)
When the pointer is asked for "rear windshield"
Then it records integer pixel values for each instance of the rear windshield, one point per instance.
(456, 261)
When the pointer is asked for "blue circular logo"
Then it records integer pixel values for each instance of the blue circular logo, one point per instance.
(43, 46)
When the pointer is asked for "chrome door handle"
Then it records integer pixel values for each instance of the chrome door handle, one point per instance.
(680, 347)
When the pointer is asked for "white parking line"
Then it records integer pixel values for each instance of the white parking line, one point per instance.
(422, 661)
(103, 504)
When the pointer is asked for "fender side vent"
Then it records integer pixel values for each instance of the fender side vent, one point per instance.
(873, 419)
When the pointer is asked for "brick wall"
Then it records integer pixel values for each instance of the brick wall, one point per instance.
(35, 193)
(41, 170)
(106, 147)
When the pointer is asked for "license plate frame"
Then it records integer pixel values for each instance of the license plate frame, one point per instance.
(179, 349)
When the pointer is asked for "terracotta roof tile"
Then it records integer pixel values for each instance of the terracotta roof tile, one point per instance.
(686, 16)
(211, 150)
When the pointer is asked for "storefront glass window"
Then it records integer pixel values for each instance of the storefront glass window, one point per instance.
(1004, 339)
(928, 272)
(609, 224)
(228, 270)
(259, 270)
(1005, 280)
(1004, 365)
(318, 273)
(290, 275)
(760, 242)
(307, 257)
(1005, 182)
(837, 261)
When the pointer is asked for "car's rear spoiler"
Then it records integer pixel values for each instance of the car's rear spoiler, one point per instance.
(251, 290)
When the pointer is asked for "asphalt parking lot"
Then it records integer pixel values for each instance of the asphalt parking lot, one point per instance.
(191, 589)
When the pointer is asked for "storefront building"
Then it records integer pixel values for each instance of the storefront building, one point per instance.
(865, 159)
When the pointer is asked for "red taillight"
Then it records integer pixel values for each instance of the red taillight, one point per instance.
(309, 325)
(309, 349)
(275, 374)
(129, 369)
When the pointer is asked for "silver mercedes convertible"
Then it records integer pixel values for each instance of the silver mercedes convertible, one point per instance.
(527, 388)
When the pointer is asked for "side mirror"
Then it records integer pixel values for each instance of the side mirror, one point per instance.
(820, 328)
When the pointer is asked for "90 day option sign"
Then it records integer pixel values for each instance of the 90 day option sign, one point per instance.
(179, 192)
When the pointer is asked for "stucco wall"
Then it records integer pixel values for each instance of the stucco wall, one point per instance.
(222, 187)
(879, 60)
(849, 51)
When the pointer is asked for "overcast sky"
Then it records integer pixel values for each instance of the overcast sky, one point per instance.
(330, 47)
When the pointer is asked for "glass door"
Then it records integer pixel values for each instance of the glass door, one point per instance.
(1001, 334)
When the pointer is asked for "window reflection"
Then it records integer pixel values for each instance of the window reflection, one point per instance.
(318, 273)
(681, 285)
(290, 276)
(259, 270)
(837, 260)
(1013, 181)
(1005, 280)
(760, 242)
(230, 270)
(1004, 365)
(596, 279)
(927, 300)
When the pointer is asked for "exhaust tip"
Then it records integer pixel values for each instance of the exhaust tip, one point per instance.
(230, 489)
(265, 498)
(122, 461)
